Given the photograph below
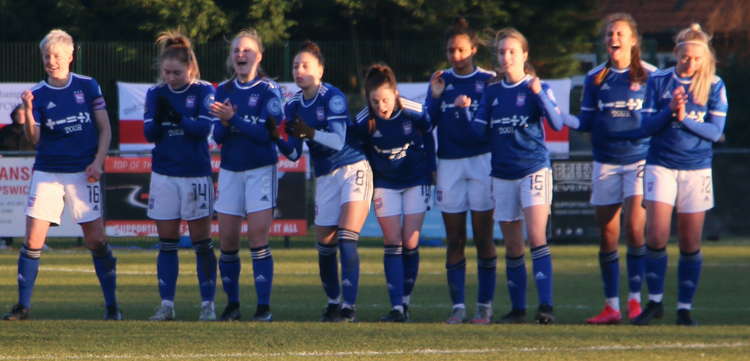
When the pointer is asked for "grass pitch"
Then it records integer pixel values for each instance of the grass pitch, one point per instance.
(67, 305)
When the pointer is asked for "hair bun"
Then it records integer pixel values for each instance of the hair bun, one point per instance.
(695, 27)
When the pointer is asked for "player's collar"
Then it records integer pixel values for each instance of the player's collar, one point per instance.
(474, 72)
(508, 86)
(247, 85)
(180, 90)
(70, 80)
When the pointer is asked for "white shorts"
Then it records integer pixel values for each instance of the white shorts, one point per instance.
(691, 191)
(464, 184)
(395, 202)
(512, 196)
(613, 183)
(51, 192)
(350, 183)
(247, 191)
(187, 198)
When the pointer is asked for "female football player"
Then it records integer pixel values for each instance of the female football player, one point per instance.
(178, 122)
(612, 92)
(463, 173)
(684, 112)
(246, 109)
(394, 130)
(66, 118)
(510, 116)
(318, 115)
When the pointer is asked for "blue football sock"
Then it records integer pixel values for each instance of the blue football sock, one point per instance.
(105, 266)
(486, 273)
(411, 269)
(515, 270)
(393, 263)
(688, 273)
(263, 273)
(28, 268)
(230, 267)
(609, 263)
(542, 263)
(349, 265)
(167, 268)
(656, 270)
(329, 270)
(456, 281)
(205, 266)
(636, 268)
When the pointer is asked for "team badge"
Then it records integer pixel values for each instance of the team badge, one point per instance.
(479, 86)
(337, 104)
(209, 99)
(79, 97)
(273, 106)
(190, 101)
(320, 112)
(407, 128)
(520, 100)
(253, 100)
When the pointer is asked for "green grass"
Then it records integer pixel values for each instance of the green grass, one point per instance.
(67, 304)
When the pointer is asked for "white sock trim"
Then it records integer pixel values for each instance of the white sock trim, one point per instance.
(656, 298)
(613, 302)
(684, 306)
(167, 303)
(634, 296)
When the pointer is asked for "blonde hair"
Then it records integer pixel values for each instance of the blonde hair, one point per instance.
(57, 37)
(173, 45)
(249, 33)
(700, 87)
(512, 33)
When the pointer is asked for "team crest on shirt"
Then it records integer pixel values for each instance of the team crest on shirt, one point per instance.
(520, 100)
(479, 86)
(79, 96)
(253, 100)
(320, 112)
(190, 101)
(407, 128)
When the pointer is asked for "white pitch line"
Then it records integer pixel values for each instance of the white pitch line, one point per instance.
(681, 346)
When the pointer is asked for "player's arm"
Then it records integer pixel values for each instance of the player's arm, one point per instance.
(30, 128)
(479, 125)
(335, 136)
(716, 116)
(152, 128)
(95, 169)
(546, 100)
(654, 116)
(585, 119)
(292, 146)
